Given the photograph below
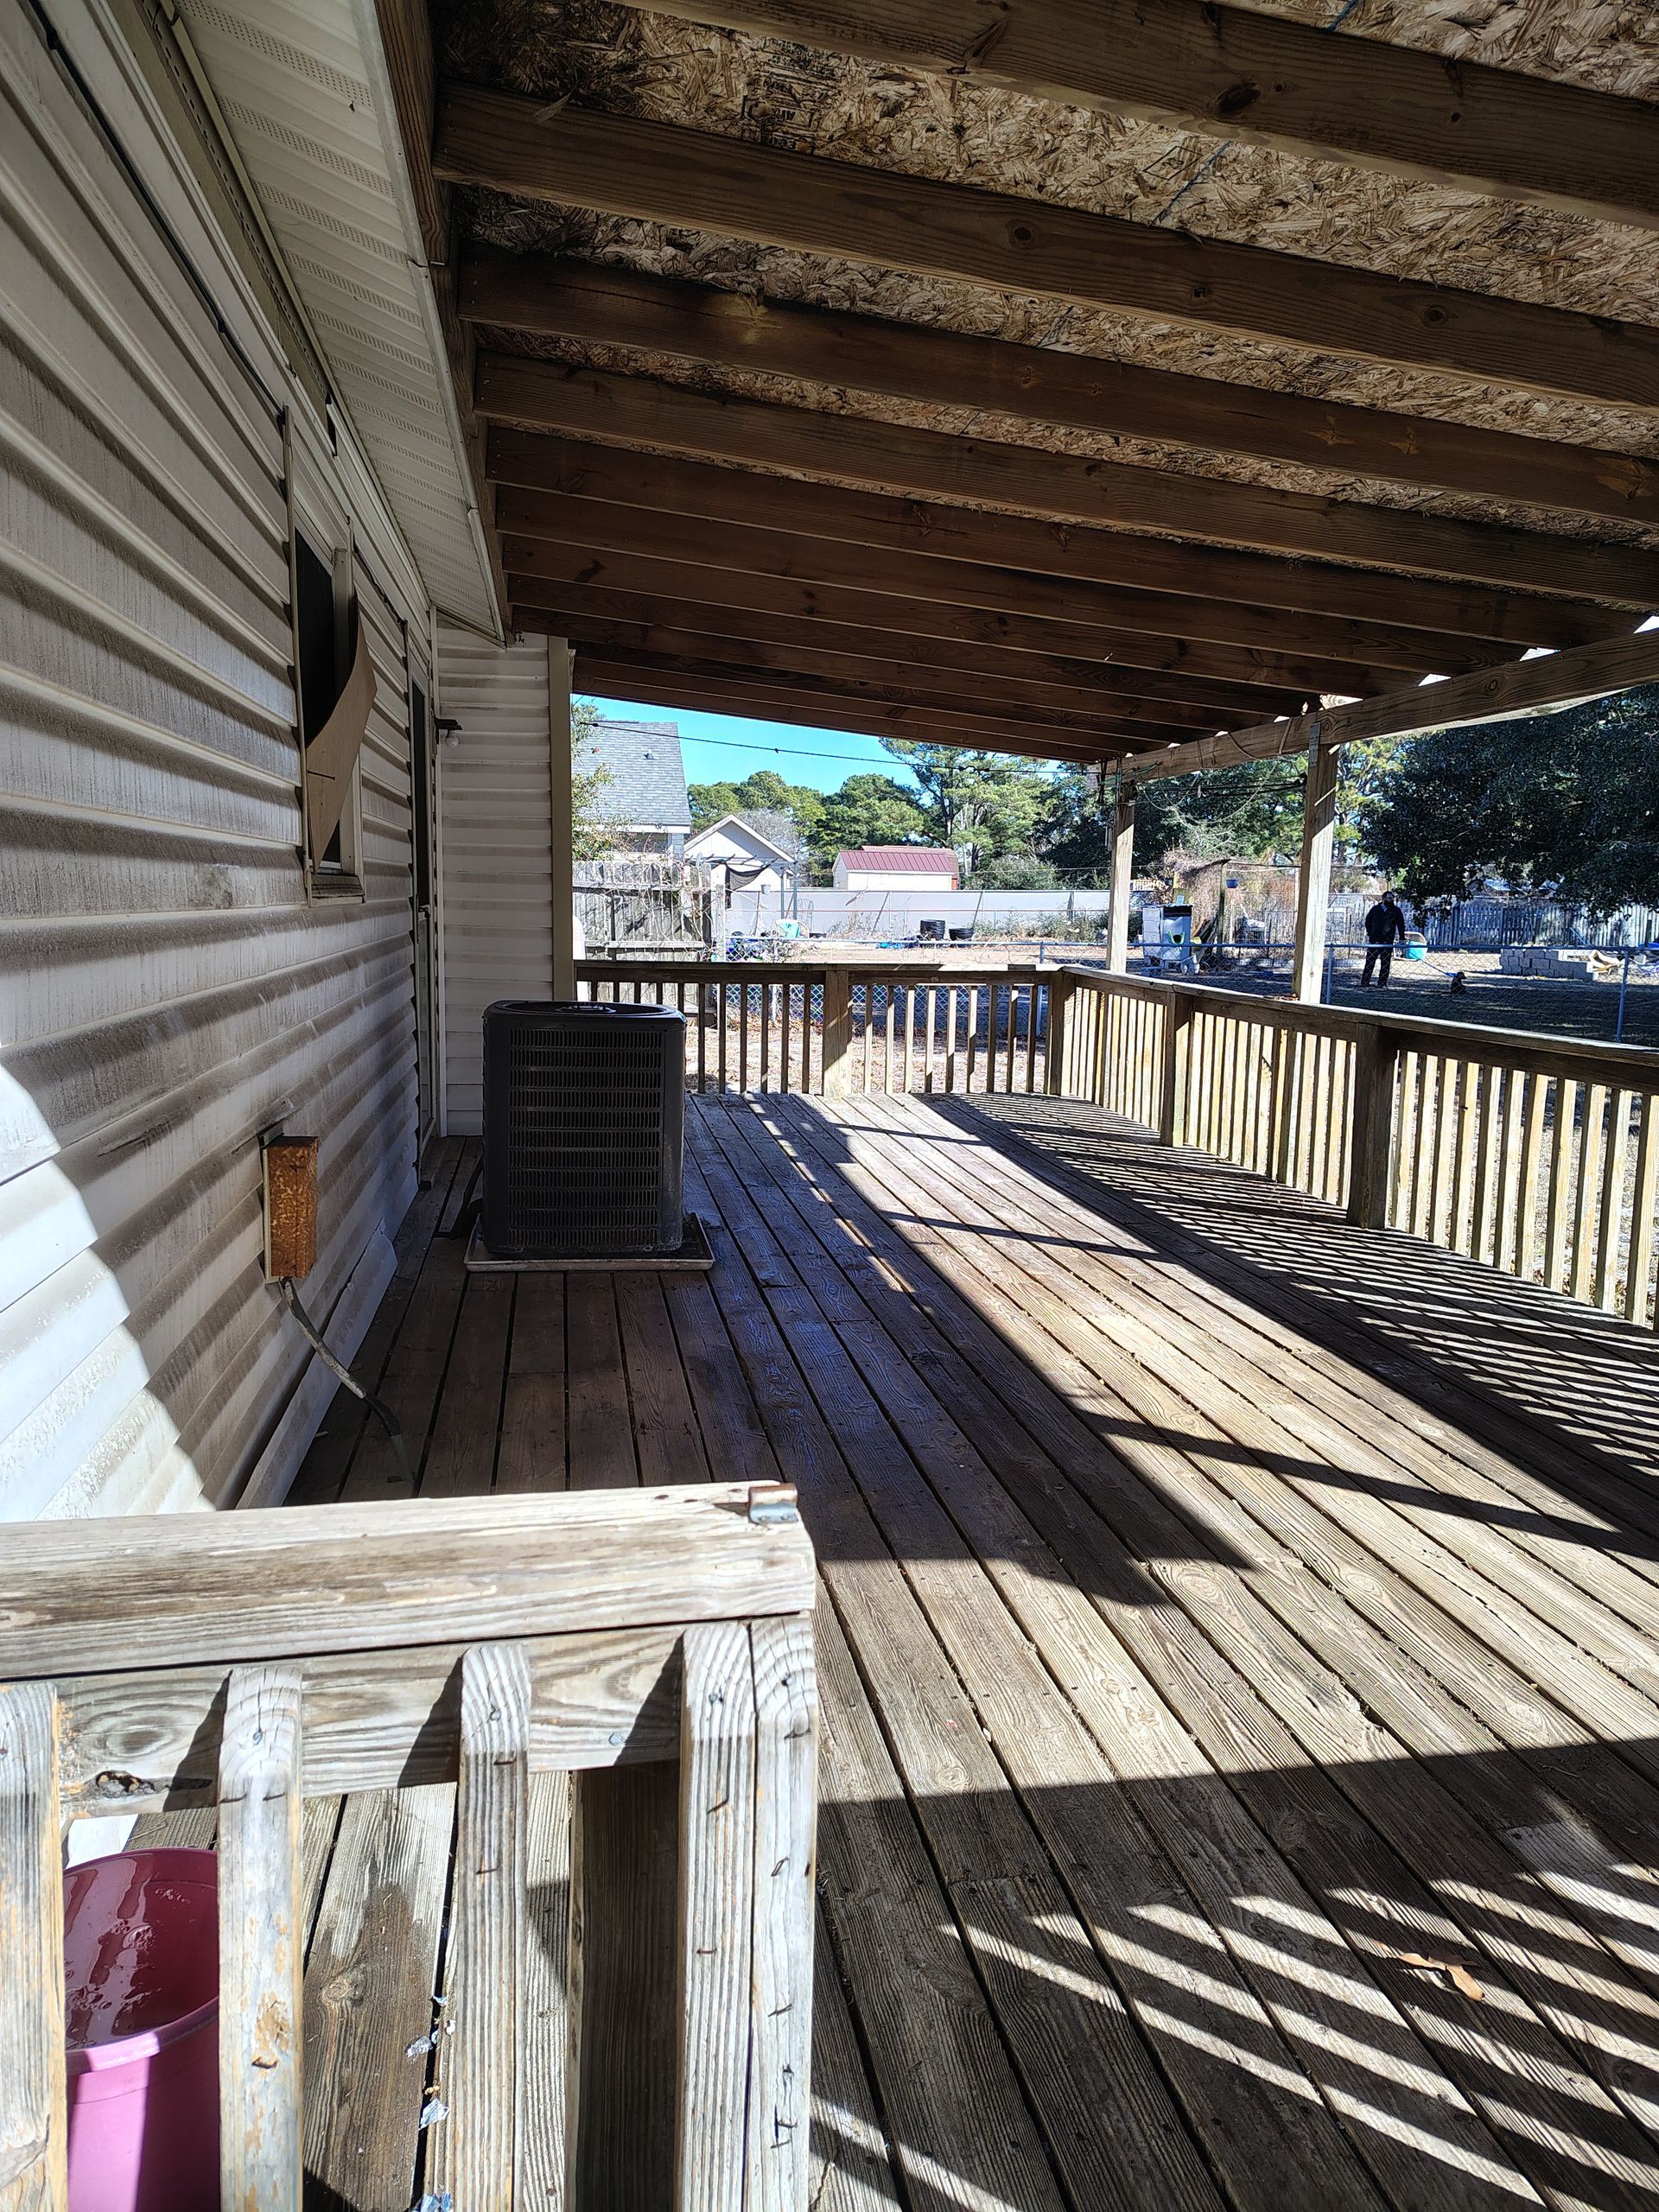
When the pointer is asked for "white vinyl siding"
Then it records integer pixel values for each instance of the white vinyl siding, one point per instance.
(170, 991)
(494, 810)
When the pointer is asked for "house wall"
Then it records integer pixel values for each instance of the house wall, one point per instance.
(172, 988)
(495, 820)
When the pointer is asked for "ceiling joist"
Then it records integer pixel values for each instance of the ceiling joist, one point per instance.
(685, 579)
(650, 624)
(1238, 73)
(604, 526)
(621, 165)
(555, 297)
(644, 410)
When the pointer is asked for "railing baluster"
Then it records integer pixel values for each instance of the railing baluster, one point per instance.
(1610, 1237)
(785, 1798)
(1644, 1208)
(476, 2147)
(261, 1941)
(34, 2170)
(1587, 1190)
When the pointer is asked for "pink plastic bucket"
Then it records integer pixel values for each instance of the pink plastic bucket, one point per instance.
(140, 1954)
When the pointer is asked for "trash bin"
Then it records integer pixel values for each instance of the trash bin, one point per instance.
(141, 1960)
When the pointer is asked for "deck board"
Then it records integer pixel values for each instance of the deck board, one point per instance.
(1241, 1779)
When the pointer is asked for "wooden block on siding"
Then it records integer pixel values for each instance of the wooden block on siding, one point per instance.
(34, 2173)
(477, 2142)
(261, 1943)
(717, 1781)
(785, 1828)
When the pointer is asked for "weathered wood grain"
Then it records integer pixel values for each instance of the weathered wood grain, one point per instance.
(34, 2129)
(175, 1587)
(716, 1931)
(785, 1897)
(477, 2143)
(261, 1943)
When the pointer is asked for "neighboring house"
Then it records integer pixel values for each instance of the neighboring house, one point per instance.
(644, 805)
(741, 857)
(897, 868)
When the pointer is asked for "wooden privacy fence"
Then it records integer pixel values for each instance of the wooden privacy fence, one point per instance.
(1538, 1155)
(756, 1026)
(248, 1660)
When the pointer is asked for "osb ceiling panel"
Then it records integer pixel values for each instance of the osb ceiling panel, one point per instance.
(787, 95)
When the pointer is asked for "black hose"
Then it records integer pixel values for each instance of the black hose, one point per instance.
(383, 1412)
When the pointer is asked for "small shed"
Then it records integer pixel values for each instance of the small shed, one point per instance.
(897, 868)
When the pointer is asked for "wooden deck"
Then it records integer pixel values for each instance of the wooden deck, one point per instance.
(1241, 1689)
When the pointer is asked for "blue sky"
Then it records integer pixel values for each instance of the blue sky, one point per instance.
(718, 749)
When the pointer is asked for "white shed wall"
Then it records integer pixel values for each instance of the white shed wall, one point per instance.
(171, 991)
(495, 828)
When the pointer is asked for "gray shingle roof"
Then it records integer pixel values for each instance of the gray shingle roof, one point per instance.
(647, 785)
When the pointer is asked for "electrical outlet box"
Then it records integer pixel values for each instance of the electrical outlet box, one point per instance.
(290, 1166)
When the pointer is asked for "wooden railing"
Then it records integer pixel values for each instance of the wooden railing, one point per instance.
(1538, 1155)
(796, 1025)
(329, 1648)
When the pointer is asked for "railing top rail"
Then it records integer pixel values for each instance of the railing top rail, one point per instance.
(1634, 1066)
(178, 1590)
(798, 971)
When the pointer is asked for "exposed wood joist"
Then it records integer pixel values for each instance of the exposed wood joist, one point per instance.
(616, 669)
(1236, 72)
(662, 173)
(537, 460)
(692, 697)
(647, 623)
(889, 457)
(1524, 688)
(683, 580)
(552, 295)
(605, 525)
(896, 679)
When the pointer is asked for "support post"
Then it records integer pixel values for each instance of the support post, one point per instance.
(1371, 1151)
(1313, 881)
(1177, 1068)
(1120, 878)
(561, 838)
(836, 1059)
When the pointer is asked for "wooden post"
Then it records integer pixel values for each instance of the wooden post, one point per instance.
(780, 2057)
(477, 2139)
(1371, 1151)
(1313, 881)
(1120, 878)
(717, 1844)
(1172, 1097)
(33, 2170)
(261, 1941)
(560, 830)
(1060, 988)
(835, 1058)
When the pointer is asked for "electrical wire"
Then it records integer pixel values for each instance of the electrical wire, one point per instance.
(343, 1374)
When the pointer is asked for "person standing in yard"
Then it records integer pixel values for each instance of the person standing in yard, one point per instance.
(1385, 927)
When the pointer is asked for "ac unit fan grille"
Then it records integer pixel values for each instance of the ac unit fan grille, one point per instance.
(584, 1122)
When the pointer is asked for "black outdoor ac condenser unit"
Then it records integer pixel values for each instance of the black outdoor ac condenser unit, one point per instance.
(584, 1131)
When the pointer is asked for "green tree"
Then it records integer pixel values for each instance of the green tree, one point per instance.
(981, 805)
(763, 792)
(868, 810)
(1570, 801)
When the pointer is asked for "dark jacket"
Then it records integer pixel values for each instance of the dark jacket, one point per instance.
(1385, 925)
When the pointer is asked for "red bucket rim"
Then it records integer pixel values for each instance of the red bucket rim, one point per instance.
(149, 2043)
